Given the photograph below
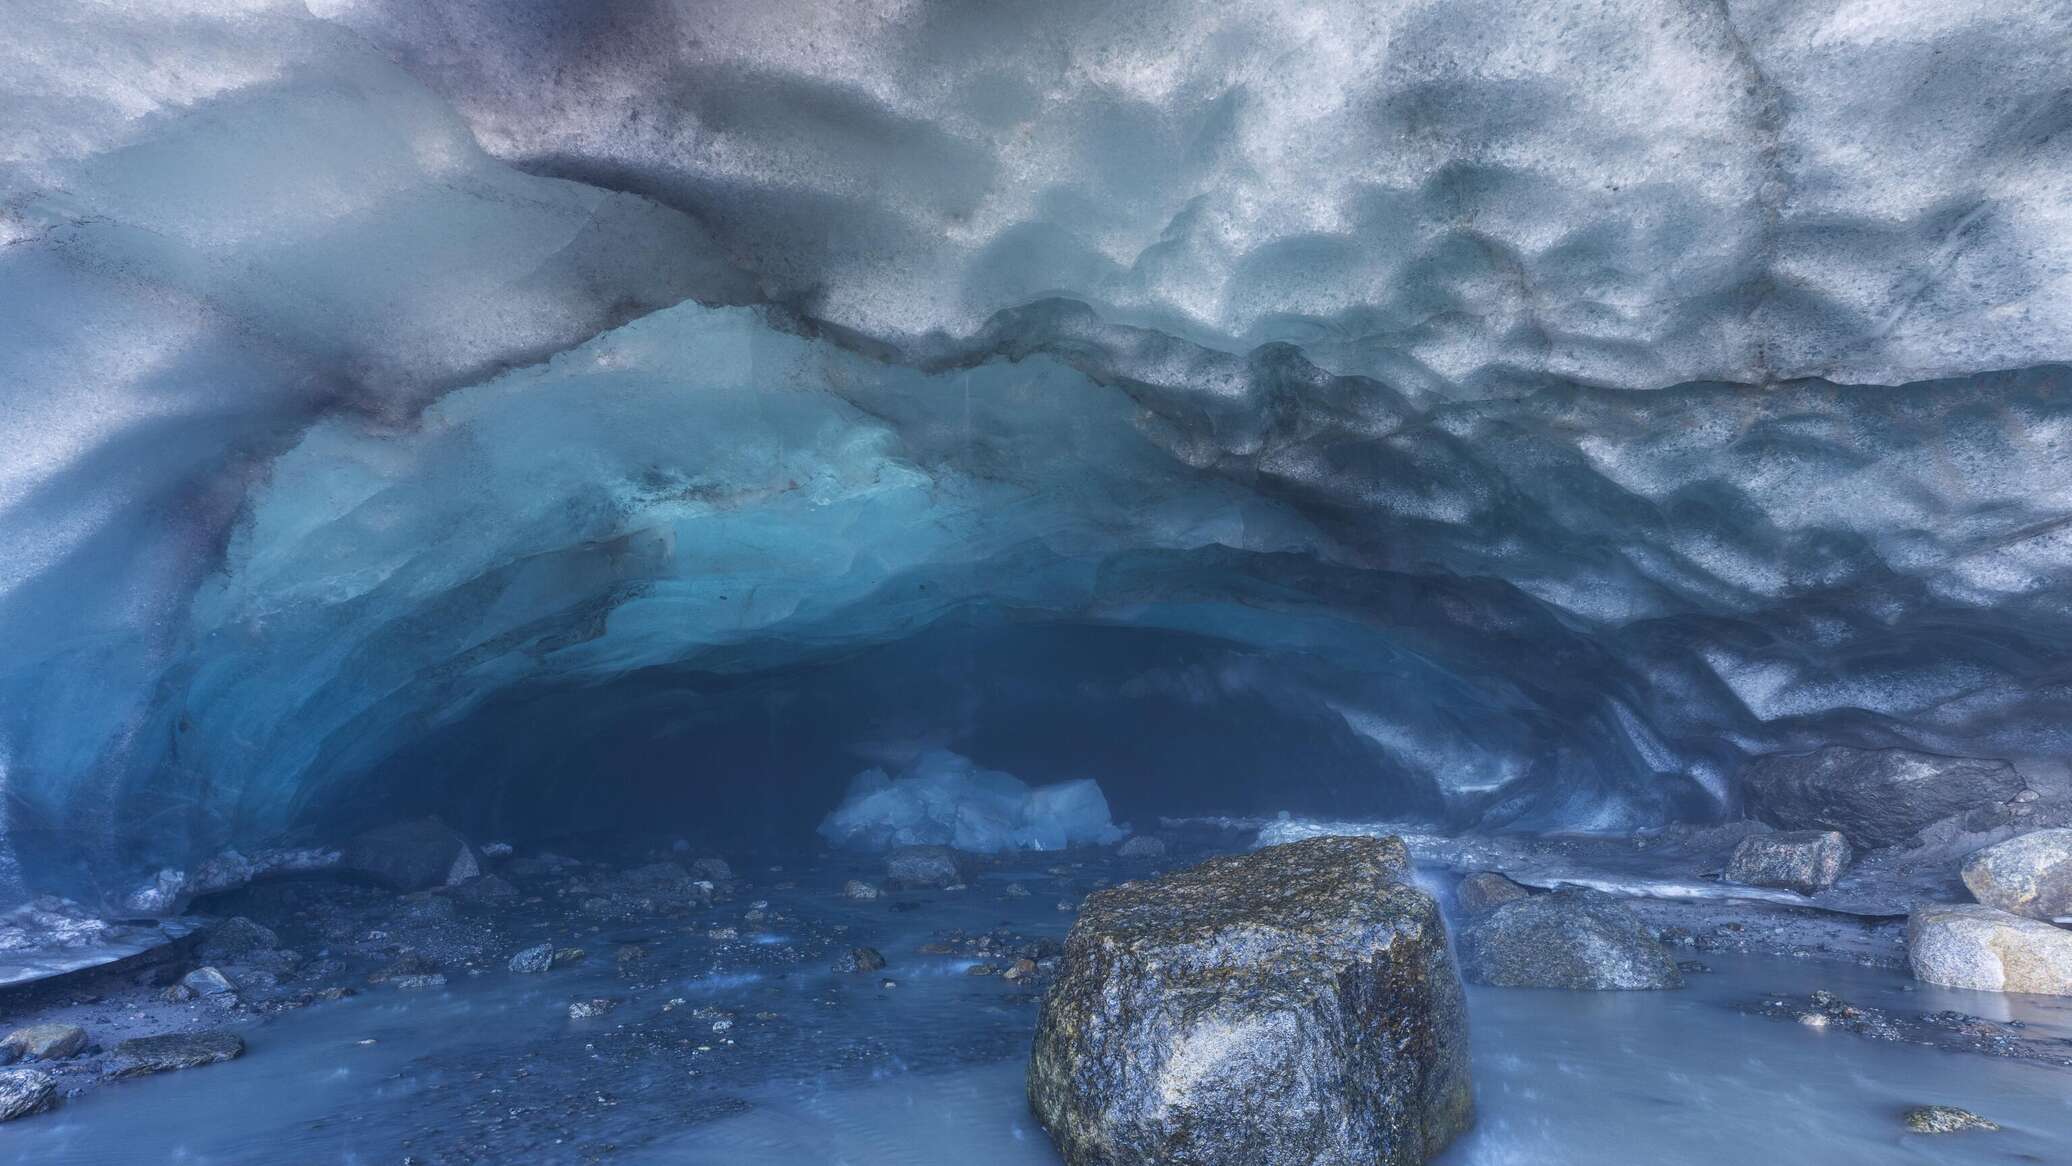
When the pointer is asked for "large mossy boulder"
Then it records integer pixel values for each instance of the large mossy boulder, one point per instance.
(1293, 1005)
(1966, 945)
(1577, 939)
(1873, 797)
(2029, 875)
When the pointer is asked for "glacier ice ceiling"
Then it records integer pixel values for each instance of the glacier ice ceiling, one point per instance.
(1477, 412)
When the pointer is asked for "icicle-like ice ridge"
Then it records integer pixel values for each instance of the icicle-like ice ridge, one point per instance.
(367, 364)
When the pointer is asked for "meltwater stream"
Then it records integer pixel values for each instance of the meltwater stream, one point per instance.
(810, 1065)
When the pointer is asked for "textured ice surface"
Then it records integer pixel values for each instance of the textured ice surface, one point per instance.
(1422, 390)
(944, 800)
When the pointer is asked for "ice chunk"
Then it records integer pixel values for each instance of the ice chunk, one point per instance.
(945, 799)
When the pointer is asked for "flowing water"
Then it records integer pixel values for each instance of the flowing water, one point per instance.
(840, 1070)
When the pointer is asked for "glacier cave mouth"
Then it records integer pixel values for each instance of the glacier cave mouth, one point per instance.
(655, 523)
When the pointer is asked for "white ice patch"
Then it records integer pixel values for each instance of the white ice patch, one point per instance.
(944, 799)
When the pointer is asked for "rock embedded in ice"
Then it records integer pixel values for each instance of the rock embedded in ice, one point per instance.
(591, 1009)
(144, 1055)
(1966, 945)
(930, 867)
(45, 1042)
(26, 1091)
(2026, 875)
(1806, 861)
(412, 856)
(1874, 797)
(943, 798)
(1484, 891)
(859, 890)
(1577, 939)
(1293, 1005)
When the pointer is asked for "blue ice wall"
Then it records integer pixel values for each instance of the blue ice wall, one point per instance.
(1500, 416)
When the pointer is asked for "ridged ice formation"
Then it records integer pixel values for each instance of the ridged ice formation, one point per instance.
(1406, 407)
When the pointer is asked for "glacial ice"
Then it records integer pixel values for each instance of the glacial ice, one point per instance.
(1515, 415)
(942, 799)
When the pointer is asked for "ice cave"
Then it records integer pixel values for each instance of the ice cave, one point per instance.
(876, 582)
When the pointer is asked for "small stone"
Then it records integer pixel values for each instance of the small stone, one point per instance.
(534, 959)
(46, 1042)
(419, 983)
(713, 867)
(178, 994)
(208, 981)
(26, 1091)
(569, 955)
(1944, 1119)
(722, 933)
(1021, 969)
(591, 1009)
(859, 890)
(180, 1050)
(982, 970)
(1016, 891)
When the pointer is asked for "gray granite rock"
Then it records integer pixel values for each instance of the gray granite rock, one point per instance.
(1874, 797)
(179, 1050)
(1966, 945)
(924, 866)
(2028, 875)
(1292, 1005)
(1576, 939)
(46, 1042)
(208, 981)
(26, 1091)
(412, 856)
(1806, 861)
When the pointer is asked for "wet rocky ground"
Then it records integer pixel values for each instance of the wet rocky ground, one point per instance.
(592, 1003)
